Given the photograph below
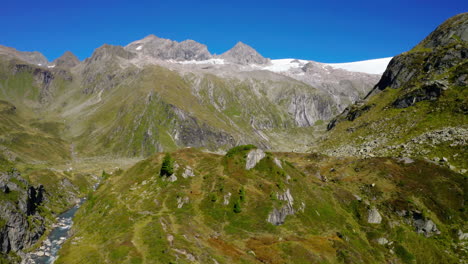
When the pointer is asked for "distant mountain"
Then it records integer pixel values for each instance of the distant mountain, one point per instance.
(67, 60)
(243, 54)
(200, 100)
(166, 49)
(26, 56)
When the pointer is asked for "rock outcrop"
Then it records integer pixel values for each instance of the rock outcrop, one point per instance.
(278, 216)
(21, 224)
(253, 157)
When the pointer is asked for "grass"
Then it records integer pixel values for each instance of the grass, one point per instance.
(330, 228)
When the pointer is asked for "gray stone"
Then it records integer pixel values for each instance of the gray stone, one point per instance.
(382, 241)
(278, 216)
(278, 162)
(227, 197)
(462, 236)
(424, 226)
(374, 216)
(253, 157)
(188, 172)
(172, 178)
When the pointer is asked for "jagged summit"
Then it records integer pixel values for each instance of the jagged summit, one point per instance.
(107, 51)
(67, 60)
(167, 49)
(243, 54)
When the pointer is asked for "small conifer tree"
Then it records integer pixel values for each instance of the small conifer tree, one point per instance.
(167, 168)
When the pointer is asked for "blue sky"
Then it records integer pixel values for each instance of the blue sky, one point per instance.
(326, 31)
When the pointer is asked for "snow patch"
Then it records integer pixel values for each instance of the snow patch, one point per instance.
(375, 66)
(139, 47)
(283, 65)
(51, 66)
(210, 61)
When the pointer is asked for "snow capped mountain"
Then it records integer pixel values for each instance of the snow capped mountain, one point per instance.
(375, 66)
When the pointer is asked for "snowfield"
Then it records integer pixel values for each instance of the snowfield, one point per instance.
(376, 66)
(284, 65)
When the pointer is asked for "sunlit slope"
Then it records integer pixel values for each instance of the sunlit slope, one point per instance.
(290, 208)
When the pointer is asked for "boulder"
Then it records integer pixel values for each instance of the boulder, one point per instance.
(374, 216)
(253, 158)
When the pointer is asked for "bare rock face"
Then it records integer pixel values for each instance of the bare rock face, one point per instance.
(254, 156)
(166, 49)
(17, 232)
(243, 54)
(277, 216)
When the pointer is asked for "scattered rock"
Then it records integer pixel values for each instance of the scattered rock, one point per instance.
(170, 239)
(172, 178)
(382, 241)
(462, 236)
(426, 227)
(278, 162)
(374, 216)
(188, 172)
(181, 201)
(227, 197)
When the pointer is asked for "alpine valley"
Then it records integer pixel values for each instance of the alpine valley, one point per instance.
(171, 154)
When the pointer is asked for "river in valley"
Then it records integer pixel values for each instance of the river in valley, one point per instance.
(47, 252)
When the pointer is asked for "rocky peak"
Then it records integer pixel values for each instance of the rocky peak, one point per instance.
(110, 51)
(445, 48)
(167, 49)
(67, 60)
(33, 57)
(243, 54)
(451, 31)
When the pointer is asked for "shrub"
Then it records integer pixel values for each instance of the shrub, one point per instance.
(239, 149)
(237, 207)
(242, 194)
(213, 197)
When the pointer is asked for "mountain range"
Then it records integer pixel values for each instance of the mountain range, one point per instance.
(176, 155)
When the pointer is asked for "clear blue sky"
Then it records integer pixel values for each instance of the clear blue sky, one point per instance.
(326, 31)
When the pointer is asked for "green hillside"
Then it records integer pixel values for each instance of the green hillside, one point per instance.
(220, 213)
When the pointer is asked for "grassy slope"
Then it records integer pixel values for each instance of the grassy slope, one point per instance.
(134, 216)
(120, 122)
(394, 129)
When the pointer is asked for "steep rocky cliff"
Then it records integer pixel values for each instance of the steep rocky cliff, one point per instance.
(22, 224)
